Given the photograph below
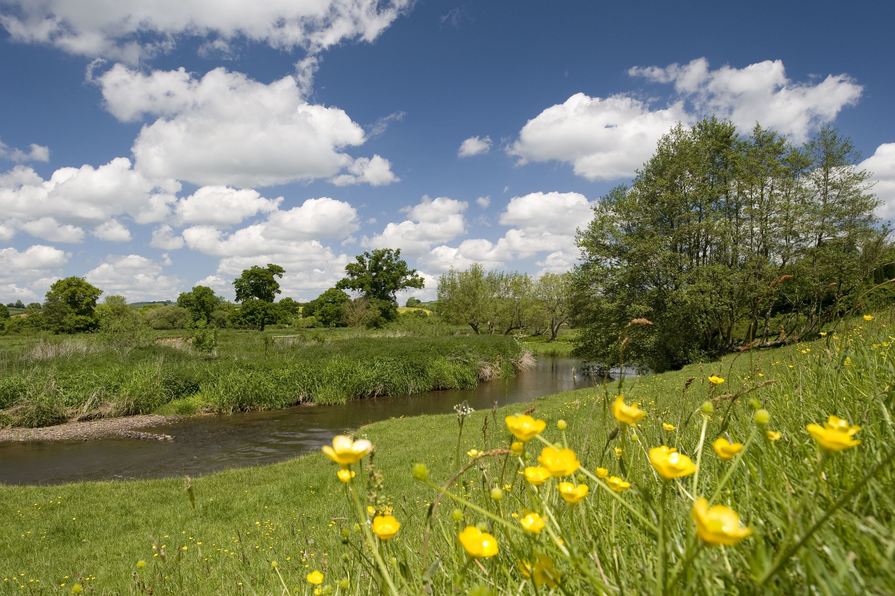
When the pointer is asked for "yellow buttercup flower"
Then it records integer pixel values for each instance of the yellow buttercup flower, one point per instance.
(532, 522)
(478, 544)
(618, 452)
(345, 475)
(626, 413)
(725, 449)
(773, 435)
(836, 435)
(617, 484)
(868, 317)
(516, 447)
(536, 475)
(716, 380)
(524, 427)
(315, 578)
(668, 426)
(473, 453)
(572, 493)
(542, 573)
(602, 472)
(345, 451)
(559, 462)
(718, 524)
(385, 526)
(671, 464)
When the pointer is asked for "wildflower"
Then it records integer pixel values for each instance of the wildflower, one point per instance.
(716, 380)
(559, 462)
(315, 578)
(76, 589)
(602, 472)
(516, 447)
(345, 451)
(823, 333)
(618, 452)
(868, 317)
(617, 484)
(536, 475)
(473, 453)
(626, 413)
(847, 361)
(836, 435)
(562, 425)
(274, 564)
(478, 544)
(572, 493)
(385, 526)
(420, 472)
(667, 426)
(141, 564)
(773, 435)
(761, 417)
(718, 524)
(725, 449)
(370, 510)
(671, 464)
(496, 493)
(345, 475)
(532, 522)
(542, 573)
(524, 427)
(707, 408)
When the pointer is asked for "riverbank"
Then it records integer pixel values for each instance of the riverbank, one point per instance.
(221, 533)
(79, 379)
(125, 427)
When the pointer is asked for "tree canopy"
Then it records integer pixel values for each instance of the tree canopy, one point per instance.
(378, 276)
(259, 283)
(70, 306)
(201, 301)
(328, 308)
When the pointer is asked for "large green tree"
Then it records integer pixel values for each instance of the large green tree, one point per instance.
(259, 283)
(725, 239)
(378, 276)
(328, 308)
(70, 306)
(201, 301)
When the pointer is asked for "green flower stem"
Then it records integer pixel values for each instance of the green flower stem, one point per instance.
(660, 572)
(693, 548)
(619, 499)
(732, 467)
(475, 507)
(705, 423)
(371, 543)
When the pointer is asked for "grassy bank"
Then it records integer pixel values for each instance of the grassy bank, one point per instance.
(222, 533)
(49, 381)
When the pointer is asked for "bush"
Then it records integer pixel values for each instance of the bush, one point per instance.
(166, 317)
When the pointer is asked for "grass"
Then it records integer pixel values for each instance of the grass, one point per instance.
(51, 380)
(821, 524)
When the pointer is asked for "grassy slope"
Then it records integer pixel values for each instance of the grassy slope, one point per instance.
(245, 518)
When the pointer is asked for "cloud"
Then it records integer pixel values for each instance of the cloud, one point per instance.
(474, 146)
(165, 238)
(758, 93)
(429, 222)
(375, 171)
(610, 138)
(603, 138)
(130, 30)
(112, 231)
(227, 129)
(34, 153)
(881, 166)
(28, 273)
(135, 277)
(484, 201)
(85, 195)
(222, 205)
(47, 228)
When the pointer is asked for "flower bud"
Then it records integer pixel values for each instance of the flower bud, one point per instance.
(344, 583)
(496, 494)
(457, 515)
(420, 472)
(561, 425)
(754, 404)
(708, 408)
(517, 447)
(762, 417)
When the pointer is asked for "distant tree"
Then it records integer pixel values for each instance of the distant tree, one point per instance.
(201, 301)
(259, 283)
(120, 326)
(328, 308)
(70, 306)
(361, 313)
(413, 302)
(378, 276)
(257, 314)
(468, 298)
(18, 304)
(289, 306)
(166, 317)
(553, 292)
(4, 312)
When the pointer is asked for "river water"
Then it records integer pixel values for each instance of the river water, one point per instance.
(209, 443)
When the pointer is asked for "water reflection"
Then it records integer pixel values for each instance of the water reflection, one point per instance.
(206, 444)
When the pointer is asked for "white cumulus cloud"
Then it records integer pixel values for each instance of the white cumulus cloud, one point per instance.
(27, 274)
(474, 146)
(881, 166)
(47, 228)
(165, 238)
(112, 231)
(222, 205)
(135, 277)
(33, 153)
(429, 222)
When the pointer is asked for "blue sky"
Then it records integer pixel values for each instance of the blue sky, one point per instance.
(153, 145)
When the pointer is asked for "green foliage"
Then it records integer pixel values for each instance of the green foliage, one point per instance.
(4, 312)
(259, 283)
(201, 302)
(70, 305)
(378, 276)
(205, 339)
(413, 302)
(723, 240)
(166, 317)
(256, 314)
(120, 326)
(328, 309)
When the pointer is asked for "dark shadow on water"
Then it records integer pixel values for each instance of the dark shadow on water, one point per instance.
(210, 443)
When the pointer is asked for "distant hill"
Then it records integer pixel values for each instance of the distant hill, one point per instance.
(152, 303)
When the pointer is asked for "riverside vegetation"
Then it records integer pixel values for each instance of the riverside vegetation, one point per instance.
(781, 481)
